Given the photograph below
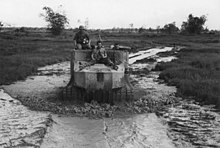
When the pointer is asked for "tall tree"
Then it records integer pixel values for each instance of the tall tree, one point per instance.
(194, 25)
(56, 21)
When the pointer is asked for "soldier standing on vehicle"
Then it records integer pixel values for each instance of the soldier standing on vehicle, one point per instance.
(81, 39)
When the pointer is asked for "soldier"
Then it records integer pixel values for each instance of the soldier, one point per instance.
(81, 39)
(100, 56)
(99, 52)
(116, 46)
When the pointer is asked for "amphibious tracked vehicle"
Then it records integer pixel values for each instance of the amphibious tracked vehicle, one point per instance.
(96, 81)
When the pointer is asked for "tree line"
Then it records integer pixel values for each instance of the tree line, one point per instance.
(193, 25)
(57, 22)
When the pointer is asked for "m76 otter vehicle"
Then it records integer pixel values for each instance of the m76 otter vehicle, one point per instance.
(95, 81)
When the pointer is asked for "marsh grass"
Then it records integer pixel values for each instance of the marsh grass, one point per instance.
(21, 56)
(196, 73)
(19, 66)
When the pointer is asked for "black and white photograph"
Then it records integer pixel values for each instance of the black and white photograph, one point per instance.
(109, 74)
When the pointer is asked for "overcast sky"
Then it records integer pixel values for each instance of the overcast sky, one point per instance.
(111, 13)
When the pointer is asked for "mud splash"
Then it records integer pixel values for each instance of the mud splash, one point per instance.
(20, 127)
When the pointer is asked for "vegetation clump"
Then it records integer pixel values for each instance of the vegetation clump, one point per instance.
(194, 25)
(20, 57)
(196, 73)
(170, 28)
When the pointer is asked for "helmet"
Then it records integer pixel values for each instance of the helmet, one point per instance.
(81, 27)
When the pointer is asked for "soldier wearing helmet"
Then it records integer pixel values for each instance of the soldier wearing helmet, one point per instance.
(81, 39)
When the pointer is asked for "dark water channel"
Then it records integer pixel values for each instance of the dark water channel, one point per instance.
(185, 124)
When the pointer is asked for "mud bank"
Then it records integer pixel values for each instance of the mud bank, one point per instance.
(40, 91)
(190, 122)
(20, 127)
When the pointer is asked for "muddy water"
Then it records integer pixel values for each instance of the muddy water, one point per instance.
(198, 125)
(20, 127)
(151, 53)
(189, 124)
(139, 131)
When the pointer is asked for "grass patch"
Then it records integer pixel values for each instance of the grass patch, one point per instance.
(196, 73)
(19, 66)
(20, 57)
